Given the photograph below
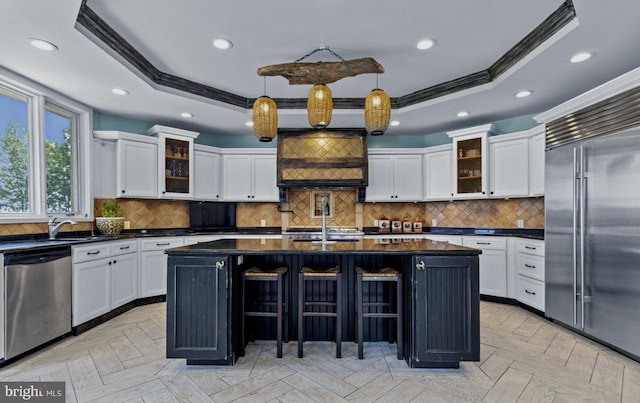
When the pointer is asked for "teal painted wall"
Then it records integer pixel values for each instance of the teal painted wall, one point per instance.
(109, 122)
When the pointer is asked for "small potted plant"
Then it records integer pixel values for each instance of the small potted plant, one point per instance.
(110, 223)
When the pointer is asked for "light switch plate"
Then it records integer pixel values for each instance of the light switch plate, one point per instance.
(520, 223)
(263, 223)
(434, 222)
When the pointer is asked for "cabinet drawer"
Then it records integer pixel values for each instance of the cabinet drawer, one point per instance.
(160, 243)
(530, 266)
(531, 247)
(485, 243)
(85, 253)
(531, 292)
(124, 247)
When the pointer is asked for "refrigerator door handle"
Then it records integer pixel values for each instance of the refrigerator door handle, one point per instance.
(583, 194)
(576, 184)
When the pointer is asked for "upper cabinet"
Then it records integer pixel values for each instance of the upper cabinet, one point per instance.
(175, 165)
(437, 173)
(249, 175)
(470, 162)
(536, 161)
(207, 168)
(394, 176)
(509, 166)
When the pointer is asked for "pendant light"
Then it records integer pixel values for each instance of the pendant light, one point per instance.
(265, 117)
(319, 106)
(377, 111)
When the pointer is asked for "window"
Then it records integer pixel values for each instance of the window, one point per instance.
(44, 153)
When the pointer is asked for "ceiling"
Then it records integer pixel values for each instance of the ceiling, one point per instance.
(175, 38)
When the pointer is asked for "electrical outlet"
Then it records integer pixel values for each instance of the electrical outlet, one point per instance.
(263, 223)
(434, 222)
(375, 223)
(127, 224)
(520, 223)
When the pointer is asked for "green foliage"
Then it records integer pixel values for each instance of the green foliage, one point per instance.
(14, 169)
(110, 209)
(59, 180)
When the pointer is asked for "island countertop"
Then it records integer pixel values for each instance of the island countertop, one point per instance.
(296, 246)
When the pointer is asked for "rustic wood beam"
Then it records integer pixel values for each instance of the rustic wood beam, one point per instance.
(321, 72)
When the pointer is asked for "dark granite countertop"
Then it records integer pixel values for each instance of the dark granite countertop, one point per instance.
(291, 246)
(529, 233)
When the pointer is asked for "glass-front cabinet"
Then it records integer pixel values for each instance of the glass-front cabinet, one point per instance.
(176, 161)
(470, 162)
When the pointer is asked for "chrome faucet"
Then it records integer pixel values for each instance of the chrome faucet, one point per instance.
(323, 201)
(54, 229)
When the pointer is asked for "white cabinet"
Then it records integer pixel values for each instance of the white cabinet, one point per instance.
(175, 162)
(249, 177)
(530, 268)
(124, 272)
(437, 173)
(206, 173)
(395, 177)
(452, 239)
(470, 162)
(509, 166)
(91, 290)
(493, 263)
(536, 162)
(153, 265)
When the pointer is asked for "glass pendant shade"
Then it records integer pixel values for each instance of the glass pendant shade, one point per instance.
(319, 106)
(265, 118)
(377, 112)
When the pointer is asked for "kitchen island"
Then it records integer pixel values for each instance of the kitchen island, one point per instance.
(441, 296)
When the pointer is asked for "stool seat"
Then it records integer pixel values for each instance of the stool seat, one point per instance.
(264, 272)
(382, 272)
(322, 272)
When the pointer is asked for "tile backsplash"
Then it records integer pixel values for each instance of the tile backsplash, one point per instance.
(251, 215)
(150, 213)
(344, 209)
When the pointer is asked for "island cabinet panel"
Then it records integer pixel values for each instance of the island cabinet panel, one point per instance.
(444, 314)
(198, 314)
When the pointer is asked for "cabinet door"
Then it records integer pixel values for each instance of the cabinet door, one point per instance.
(137, 169)
(236, 181)
(509, 168)
(536, 165)
(206, 175)
(124, 273)
(445, 311)
(470, 166)
(264, 178)
(176, 167)
(381, 178)
(197, 308)
(438, 175)
(408, 177)
(91, 290)
(153, 273)
(493, 273)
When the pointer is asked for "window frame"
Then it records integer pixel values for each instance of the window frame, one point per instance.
(38, 98)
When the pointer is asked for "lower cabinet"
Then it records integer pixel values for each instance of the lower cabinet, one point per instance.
(124, 273)
(153, 265)
(493, 263)
(91, 290)
(530, 268)
(444, 311)
(198, 309)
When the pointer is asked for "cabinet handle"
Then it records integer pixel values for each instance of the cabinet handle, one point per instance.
(253, 196)
(420, 265)
(491, 192)
(530, 247)
(123, 191)
(529, 292)
(483, 243)
(109, 263)
(528, 266)
(483, 192)
(124, 247)
(248, 196)
(163, 244)
(220, 264)
(163, 192)
(451, 194)
(94, 253)
(115, 261)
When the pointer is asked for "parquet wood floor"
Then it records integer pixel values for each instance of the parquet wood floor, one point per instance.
(524, 358)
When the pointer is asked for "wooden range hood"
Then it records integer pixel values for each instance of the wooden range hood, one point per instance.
(326, 158)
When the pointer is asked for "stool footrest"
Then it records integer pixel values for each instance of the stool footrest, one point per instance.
(320, 303)
(379, 315)
(324, 314)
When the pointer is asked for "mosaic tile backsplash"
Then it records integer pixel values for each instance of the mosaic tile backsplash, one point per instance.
(344, 214)
(150, 213)
(250, 215)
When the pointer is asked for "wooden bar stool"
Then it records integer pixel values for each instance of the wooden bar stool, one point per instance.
(384, 275)
(263, 308)
(320, 274)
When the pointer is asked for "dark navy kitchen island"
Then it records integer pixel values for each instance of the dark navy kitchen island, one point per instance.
(440, 296)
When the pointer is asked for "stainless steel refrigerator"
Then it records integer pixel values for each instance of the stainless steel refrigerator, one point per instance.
(592, 237)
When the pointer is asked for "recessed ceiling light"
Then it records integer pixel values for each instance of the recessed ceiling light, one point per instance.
(462, 114)
(221, 43)
(426, 44)
(186, 115)
(523, 93)
(42, 44)
(120, 91)
(394, 123)
(581, 57)
(248, 123)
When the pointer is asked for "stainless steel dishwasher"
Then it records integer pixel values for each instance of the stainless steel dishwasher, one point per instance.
(38, 298)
